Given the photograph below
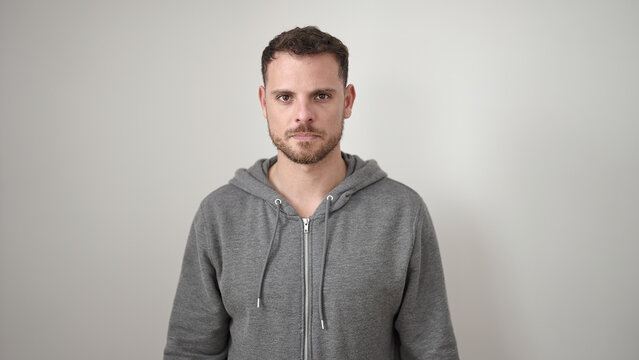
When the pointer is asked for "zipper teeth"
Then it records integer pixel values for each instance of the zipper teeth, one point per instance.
(306, 292)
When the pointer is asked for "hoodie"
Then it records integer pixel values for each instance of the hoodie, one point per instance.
(359, 279)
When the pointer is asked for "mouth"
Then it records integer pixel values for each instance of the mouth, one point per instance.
(305, 136)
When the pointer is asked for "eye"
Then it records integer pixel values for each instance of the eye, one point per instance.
(323, 96)
(284, 98)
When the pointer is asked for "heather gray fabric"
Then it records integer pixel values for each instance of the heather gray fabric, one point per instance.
(374, 269)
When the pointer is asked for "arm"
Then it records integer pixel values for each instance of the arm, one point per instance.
(423, 321)
(198, 328)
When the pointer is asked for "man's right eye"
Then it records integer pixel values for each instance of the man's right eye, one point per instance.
(284, 98)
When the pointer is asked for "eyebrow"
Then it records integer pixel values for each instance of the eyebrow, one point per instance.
(280, 91)
(316, 91)
(326, 90)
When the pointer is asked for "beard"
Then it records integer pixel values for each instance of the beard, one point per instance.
(306, 154)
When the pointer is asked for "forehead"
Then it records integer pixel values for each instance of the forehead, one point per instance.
(288, 70)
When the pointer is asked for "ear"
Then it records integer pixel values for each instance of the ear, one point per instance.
(262, 96)
(349, 99)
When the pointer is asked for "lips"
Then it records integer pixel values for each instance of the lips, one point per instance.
(305, 136)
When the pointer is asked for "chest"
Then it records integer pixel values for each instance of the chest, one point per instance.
(357, 259)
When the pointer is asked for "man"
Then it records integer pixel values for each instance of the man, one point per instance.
(314, 253)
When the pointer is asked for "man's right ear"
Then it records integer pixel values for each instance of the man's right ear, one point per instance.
(262, 96)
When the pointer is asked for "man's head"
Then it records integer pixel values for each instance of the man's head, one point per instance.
(308, 40)
(304, 97)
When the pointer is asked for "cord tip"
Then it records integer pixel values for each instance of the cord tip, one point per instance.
(258, 302)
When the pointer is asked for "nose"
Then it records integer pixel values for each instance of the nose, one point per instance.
(304, 112)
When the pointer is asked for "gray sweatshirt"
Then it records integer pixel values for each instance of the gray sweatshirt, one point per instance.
(360, 279)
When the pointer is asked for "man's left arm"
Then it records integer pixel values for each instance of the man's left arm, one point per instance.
(423, 321)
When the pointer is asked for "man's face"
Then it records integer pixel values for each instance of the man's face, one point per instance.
(305, 104)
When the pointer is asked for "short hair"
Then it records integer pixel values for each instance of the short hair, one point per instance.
(308, 40)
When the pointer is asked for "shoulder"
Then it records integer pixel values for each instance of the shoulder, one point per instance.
(391, 200)
(222, 196)
(225, 201)
(392, 192)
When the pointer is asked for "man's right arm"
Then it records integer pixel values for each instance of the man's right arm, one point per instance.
(198, 328)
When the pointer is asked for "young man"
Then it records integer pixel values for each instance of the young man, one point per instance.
(314, 253)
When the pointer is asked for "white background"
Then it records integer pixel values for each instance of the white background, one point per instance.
(517, 121)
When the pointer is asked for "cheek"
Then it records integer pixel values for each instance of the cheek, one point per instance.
(275, 124)
(276, 111)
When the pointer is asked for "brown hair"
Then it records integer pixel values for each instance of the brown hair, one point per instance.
(308, 40)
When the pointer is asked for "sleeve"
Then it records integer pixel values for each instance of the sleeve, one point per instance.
(423, 322)
(198, 327)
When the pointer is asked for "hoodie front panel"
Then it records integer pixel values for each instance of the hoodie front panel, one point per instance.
(246, 224)
(369, 248)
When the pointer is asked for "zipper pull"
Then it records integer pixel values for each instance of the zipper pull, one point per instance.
(305, 225)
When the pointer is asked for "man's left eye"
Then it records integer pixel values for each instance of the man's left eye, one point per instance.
(323, 96)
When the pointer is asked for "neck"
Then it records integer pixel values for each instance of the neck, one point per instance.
(306, 186)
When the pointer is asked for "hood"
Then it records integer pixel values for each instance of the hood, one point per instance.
(359, 174)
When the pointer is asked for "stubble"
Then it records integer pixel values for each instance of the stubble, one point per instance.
(306, 154)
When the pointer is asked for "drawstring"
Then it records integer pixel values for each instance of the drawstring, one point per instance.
(329, 198)
(278, 203)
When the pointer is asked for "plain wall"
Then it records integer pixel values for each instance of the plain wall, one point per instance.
(517, 122)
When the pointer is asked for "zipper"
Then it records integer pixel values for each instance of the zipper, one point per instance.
(306, 290)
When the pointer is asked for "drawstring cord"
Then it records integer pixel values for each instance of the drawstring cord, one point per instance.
(329, 198)
(278, 203)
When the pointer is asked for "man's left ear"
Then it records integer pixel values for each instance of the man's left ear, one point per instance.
(349, 99)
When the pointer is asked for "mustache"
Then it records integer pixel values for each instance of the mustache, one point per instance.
(303, 129)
